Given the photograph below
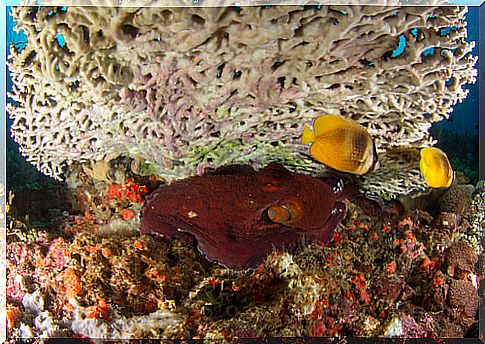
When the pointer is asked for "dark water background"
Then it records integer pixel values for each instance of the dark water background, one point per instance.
(457, 136)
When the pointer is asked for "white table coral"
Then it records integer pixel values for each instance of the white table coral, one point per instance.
(184, 86)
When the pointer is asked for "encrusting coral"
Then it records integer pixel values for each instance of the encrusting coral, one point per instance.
(380, 275)
(461, 257)
(181, 87)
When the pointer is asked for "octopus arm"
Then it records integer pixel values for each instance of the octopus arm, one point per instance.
(325, 234)
(243, 253)
(164, 230)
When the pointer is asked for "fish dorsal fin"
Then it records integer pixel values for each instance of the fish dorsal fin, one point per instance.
(328, 123)
(307, 135)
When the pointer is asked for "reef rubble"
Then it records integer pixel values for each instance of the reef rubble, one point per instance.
(393, 275)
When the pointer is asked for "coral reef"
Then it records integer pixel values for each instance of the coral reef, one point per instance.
(395, 275)
(121, 100)
(107, 289)
(176, 88)
(455, 199)
(461, 258)
(463, 298)
(474, 221)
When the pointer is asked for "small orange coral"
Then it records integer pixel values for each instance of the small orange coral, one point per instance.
(71, 283)
(318, 329)
(106, 252)
(101, 311)
(360, 282)
(127, 214)
(129, 191)
(437, 281)
(405, 224)
(391, 267)
(12, 314)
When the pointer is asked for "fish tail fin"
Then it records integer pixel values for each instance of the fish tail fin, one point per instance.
(307, 135)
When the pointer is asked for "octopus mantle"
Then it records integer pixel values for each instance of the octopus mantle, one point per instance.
(236, 215)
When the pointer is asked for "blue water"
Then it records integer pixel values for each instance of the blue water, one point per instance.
(458, 136)
(464, 119)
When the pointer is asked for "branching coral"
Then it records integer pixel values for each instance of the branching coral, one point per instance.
(179, 87)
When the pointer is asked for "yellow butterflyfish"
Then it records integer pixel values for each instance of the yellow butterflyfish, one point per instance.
(341, 144)
(435, 167)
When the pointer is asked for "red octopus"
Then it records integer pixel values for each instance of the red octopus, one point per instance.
(236, 215)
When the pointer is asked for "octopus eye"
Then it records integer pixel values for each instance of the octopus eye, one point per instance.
(289, 213)
(279, 214)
